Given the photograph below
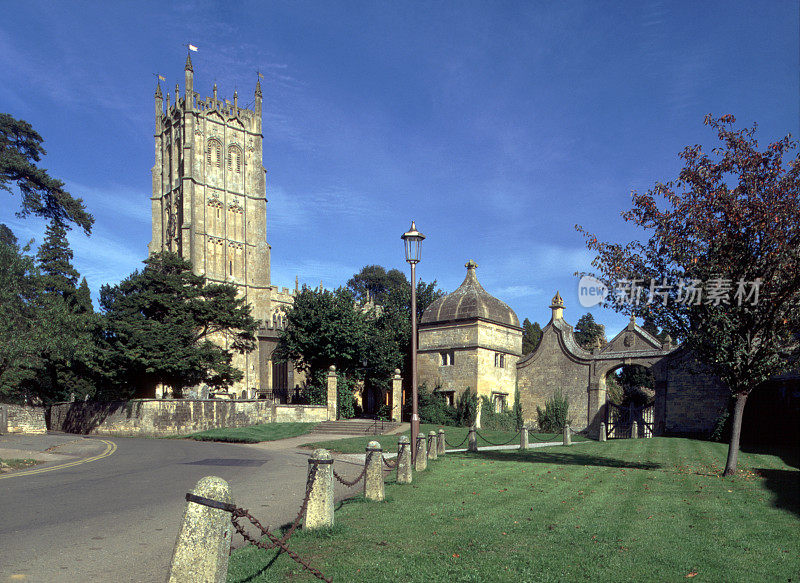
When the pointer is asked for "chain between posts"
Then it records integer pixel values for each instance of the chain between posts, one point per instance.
(341, 480)
(391, 465)
(237, 513)
(463, 441)
(491, 443)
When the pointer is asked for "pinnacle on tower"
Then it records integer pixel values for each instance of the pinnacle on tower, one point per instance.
(258, 88)
(188, 66)
(159, 95)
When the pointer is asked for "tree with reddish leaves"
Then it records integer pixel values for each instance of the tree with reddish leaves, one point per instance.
(721, 268)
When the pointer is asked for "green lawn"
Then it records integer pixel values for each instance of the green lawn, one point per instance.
(454, 436)
(625, 510)
(254, 433)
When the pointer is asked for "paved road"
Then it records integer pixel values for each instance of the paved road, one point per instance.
(116, 518)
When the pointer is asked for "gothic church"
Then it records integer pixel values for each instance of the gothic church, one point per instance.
(209, 205)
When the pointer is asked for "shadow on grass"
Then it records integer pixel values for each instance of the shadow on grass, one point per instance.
(563, 458)
(785, 485)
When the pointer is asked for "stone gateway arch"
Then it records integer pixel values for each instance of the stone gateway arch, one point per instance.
(688, 399)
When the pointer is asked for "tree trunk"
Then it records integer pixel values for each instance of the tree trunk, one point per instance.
(736, 432)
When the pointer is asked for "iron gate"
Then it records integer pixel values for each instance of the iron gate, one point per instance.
(619, 420)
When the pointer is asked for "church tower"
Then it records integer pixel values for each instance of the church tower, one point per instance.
(209, 196)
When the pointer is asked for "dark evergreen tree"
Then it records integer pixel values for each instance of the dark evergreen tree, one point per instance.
(42, 195)
(165, 325)
(531, 336)
(55, 262)
(588, 332)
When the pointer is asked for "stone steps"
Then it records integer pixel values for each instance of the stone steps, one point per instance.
(355, 427)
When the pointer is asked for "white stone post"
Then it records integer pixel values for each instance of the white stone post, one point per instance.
(634, 430)
(319, 511)
(440, 443)
(567, 436)
(432, 446)
(373, 476)
(403, 460)
(332, 394)
(472, 443)
(204, 541)
(523, 438)
(603, 435)
(421, 458)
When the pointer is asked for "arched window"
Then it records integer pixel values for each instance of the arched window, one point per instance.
(214, 152)
(234, 159)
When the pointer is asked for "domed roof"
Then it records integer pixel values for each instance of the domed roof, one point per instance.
(468, 302)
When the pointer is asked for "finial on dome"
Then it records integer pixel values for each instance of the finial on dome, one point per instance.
(557, 305)
(471, 265)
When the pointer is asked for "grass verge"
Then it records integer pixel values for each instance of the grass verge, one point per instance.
(254, 433)
(16, 464)
(625, 510)
(455, 437)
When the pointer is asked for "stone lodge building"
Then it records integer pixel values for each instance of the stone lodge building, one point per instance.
(471, 340)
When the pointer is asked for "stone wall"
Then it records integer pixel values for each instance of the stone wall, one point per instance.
(548, 370)
(690, 398)
(157, 417)
(24, 419)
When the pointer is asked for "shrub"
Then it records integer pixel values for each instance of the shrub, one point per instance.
(503, 421)
(555, 415)
(466, 409)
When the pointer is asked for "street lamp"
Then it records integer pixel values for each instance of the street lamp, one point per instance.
(412, 240)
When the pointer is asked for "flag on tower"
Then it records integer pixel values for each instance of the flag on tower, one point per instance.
(161, 77)
(260, 75)
(193, 48)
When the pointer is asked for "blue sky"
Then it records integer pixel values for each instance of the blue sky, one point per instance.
(496, 126)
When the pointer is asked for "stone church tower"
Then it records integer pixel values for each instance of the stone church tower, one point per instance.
(209, 198)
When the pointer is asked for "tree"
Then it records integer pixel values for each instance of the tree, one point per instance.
(531, 336)
(165, 325)
(22, 326)
(324, 329)
(588, 332)
(42, 195)
(723, 256)
(68, 367)
(55, 261)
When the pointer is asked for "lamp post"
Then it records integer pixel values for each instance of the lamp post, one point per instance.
(412, 240)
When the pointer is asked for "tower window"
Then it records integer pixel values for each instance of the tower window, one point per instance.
(234, 159)
(230, 267)
(499, 359)
(447, 357)
(214, 152)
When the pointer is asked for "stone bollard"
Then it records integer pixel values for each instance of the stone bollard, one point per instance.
(433, 447)
(421, 459)
(373, 476)
(403, 460)
(567, 436)
(319, 511)
(472, 443)
(204, 541)
(440, 443)
(602, 436)
(634, 430)
(523, 438)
